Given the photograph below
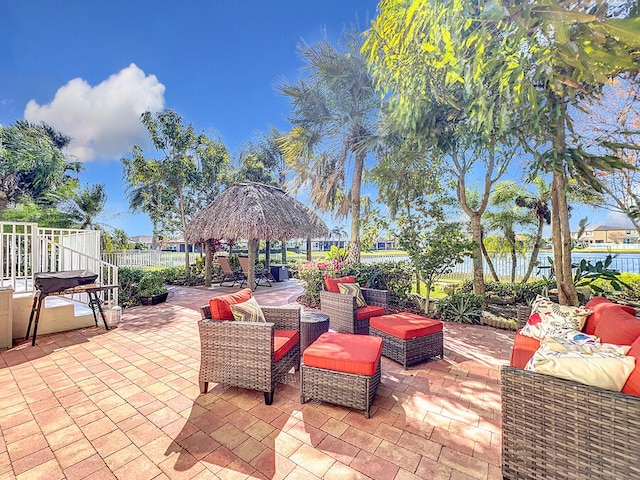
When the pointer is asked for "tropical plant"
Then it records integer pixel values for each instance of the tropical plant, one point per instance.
(333, 111)
(190, 173)
(587, 273)
(510, 68)
(85, 207)
(32, 162)
(336, 253)
(461, 308)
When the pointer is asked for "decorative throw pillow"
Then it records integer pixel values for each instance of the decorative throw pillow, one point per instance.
(547, 315)
(604, 366)
(354, 290)
(248, 311)
(571, 336)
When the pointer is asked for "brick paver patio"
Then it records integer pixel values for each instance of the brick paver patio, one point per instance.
(91, 404)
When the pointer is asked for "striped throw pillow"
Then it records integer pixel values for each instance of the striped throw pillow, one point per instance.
(354, 290)
(248, 311)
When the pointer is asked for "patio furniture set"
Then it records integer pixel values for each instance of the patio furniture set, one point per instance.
(253, 347)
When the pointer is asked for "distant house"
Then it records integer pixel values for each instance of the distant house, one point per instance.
(144, 240)
(177, 245)
(609, 234)
(384, 243)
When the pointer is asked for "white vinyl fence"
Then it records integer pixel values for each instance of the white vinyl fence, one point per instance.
(146, 258)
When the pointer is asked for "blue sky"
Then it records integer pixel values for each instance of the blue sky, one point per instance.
(90, 68)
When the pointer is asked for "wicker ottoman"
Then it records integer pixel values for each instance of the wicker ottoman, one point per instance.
(408, 338)
(343, 369)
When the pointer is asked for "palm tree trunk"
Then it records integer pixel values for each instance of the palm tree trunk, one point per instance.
(308, 249)
(534, 252)
(514, 263)
(356, 183)
(486, 256)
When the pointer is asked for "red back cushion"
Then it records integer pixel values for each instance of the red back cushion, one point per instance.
(523, 349)
(220, 305)
(632, 387)
(617, 326)
(331, 284)
(600, 306)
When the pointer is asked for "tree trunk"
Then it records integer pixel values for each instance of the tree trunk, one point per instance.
(478, 270)
(207, 263)
(486, 256)
(534, 252)
(251, 275)
(187, 265)
(567, 293)
(354, 244)
(283, 254)
(308, 249)
(514, 263)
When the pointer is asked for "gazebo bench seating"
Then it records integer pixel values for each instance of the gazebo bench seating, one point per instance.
(252, 355)
(344, 314)
(561, 429)
(408, 338)
(343, 369)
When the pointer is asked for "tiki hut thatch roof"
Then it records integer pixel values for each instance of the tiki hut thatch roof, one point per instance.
(253, 211)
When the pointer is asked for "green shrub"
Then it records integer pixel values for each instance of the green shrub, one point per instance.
(461, 307)
(128, 291)
(151, 284)
(395, 277)
(521, 292)
(312, 273)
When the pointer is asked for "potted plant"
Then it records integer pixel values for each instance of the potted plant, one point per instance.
(151, 289)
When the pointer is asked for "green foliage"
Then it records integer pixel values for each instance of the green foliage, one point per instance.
(151, 284)
(312, 273)
(336, 253)
(461, 307)
(586, 273)
(32, 162)
(129, 279)
(522, 293)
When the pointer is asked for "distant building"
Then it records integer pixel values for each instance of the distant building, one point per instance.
(384, 243)
(609, 234)
(145, 240)
(177, 245)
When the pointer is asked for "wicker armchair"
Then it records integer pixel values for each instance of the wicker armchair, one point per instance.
(343, 312)
(241, 354)
(560, 429)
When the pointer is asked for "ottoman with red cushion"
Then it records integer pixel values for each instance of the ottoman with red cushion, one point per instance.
(408, 338)
(342, 368)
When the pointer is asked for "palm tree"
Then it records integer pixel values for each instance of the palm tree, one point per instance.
(332, 115)
(85, 206)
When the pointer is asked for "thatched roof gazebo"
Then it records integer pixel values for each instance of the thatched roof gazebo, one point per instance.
(253, 212)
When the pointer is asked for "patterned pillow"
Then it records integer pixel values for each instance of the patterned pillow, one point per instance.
(248, 311)
(604, 366)
(354, 290)
(547, 315)
(571, 337)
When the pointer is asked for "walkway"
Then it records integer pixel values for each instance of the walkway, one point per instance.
(91, 404)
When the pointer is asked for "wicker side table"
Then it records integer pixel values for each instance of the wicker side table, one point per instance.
(312, 325)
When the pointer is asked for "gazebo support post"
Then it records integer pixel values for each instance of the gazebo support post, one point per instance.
(251, 276)
(283, 251)
(207, 263)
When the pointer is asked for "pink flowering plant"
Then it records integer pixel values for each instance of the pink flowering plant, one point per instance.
(313, 272)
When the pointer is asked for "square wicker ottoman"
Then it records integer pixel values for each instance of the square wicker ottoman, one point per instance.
(408, 338)
(343, 369)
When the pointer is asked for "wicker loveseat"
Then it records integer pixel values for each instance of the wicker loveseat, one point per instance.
(560, 429)
(344, 315)
(253, 355)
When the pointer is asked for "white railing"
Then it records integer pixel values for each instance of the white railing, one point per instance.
(144, 258)
(54, 257)
(26, 249)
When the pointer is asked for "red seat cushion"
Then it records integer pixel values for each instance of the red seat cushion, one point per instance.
(344, 352)
(523, 350)
(632, 387)
(406, 325)
(617, 326)
(331, 284)
(220, 305)
(365, 313)
(283, 341)
(600, 307)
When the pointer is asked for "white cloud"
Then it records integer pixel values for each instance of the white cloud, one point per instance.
(103, 121)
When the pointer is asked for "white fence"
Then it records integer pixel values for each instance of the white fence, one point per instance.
(146, 258)
(624, 263)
